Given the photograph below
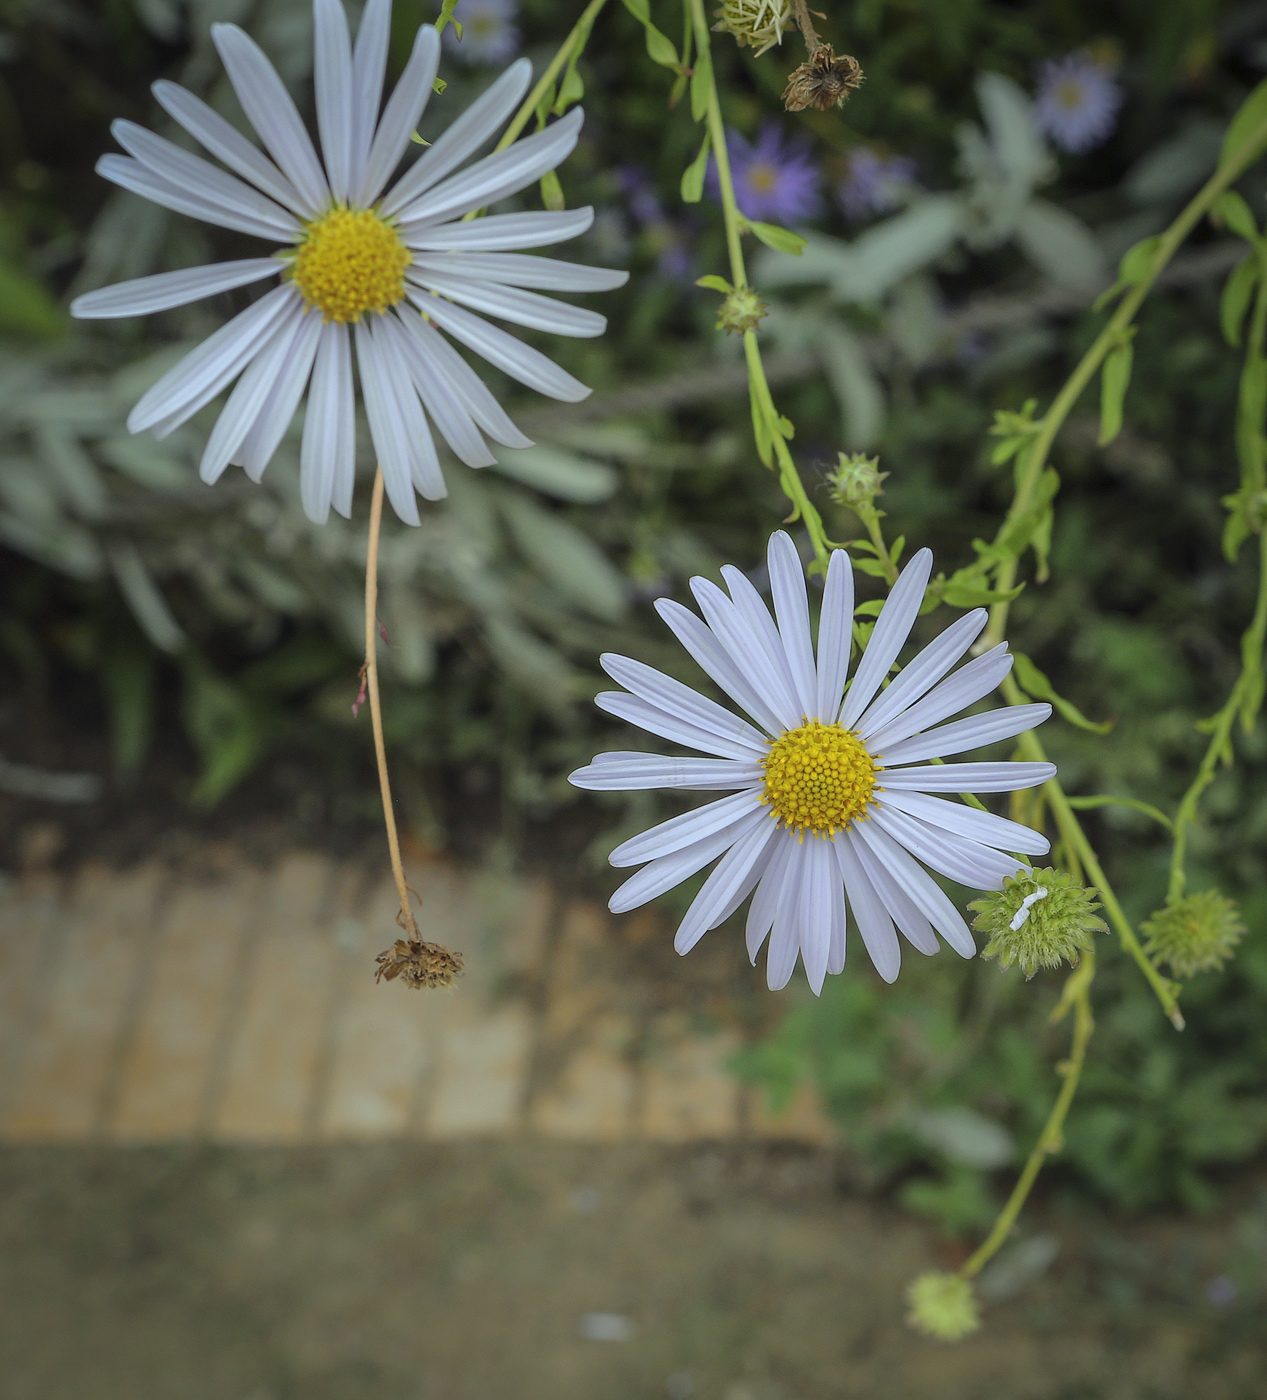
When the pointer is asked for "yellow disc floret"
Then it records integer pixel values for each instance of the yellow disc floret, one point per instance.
(350, 262)
(819, 777)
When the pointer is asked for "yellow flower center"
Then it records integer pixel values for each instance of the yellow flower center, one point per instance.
(819, 777)
(1070, 94)
(762, 177)
(350, 262)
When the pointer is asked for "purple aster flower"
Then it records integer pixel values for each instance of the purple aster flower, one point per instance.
(776, 181)
(875, 184)
(644, 202)
(1077, 101)
(489, 32)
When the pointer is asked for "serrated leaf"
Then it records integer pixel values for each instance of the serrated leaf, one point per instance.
(1234, 303)
(693, 175)
(1232, 210)
(1252, 117)
(1034, 683)
(780, 239)
(1114, 379)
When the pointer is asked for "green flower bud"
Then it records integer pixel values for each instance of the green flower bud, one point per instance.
(943, 1306)
(1040, 918)
(1194, 934)
(856, 481)
(741, 311)
(757, 23)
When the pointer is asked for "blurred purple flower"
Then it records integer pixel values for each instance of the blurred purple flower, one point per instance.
(775, 181)
(674, 259)
(489, 32)
(644, 202)
(875, 184)
(1077, 101)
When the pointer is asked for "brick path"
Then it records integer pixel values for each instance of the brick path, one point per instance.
(238, 1005)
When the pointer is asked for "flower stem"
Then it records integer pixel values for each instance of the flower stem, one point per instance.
(1076, 994)
(579, 34)
(812, 42)
(406, 916)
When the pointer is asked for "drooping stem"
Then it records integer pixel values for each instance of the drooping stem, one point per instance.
(812, 42)
(406, 918)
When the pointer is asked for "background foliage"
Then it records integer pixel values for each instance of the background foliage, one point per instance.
(225, 613)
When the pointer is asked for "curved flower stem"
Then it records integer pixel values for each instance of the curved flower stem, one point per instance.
(406, 916)
(1076, 994)
(578, 35)
(766, 418)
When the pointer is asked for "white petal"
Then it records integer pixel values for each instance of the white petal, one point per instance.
(200, 179)
(467, 389)
(369, 63)
(923, 672)
(968, 777)
(769, 891)
(969, 821)
(711, 657)
(970, 733)
(753, 615)
(965, 687)
(510, 304)
(925, 893)
(791, 608)
(916, 928)
(835, 635)
(519, 270)
(249, 396)
(669, 836)
(872, 918)
(401, 118)
(228, 144)
(271, 112)
(669, 726)
(746, 886)
(660, 875)
(822, 877)
(495, 177)
(332, 80)
(387, 427)
(511, 356)
(634, 772)
(327, 452)
(675, 698)
(140, 179)
(498, 232)
(445, 407)
(283, 399)
(725, 881)
(144, 295)
(838, 946)
(200, 376)
(463, 138)
(785, 940)
(743, 645)
(394, 347)
(969, 862)
(892, 628)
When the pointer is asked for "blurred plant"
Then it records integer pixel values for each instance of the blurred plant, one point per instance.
(1077, 101)
(488, 31)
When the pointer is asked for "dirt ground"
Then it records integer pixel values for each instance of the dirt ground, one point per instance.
(548, 1272)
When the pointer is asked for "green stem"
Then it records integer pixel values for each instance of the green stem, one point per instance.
(1076, 993)
(579, 33)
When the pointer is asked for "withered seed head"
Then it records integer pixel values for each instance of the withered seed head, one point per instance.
(418, 964)
(824, 81)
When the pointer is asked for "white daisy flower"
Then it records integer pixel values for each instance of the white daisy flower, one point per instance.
(379, 277)
(830, 799)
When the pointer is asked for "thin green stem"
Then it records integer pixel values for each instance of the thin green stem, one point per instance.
(579, 32)
(1051, 1139)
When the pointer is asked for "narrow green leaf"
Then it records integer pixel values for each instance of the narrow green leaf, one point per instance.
(571, 90)
(780, 239)
(659, 47)
(1089, 804)
(1237, 291)
(1034, 683)
(1114, 379)
(701, 84)
(552, 191)
(1251, 117)
(693, 175)
(714, 283)
(1232, 210)
(446, 17)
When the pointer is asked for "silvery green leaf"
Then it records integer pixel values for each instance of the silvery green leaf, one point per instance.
(145, 599)
(915, 321)
(620, 440)
(854, 383)
(964, 1136)
(565, 557)
(272, 587)
(1009, 120)
(906, 243)
(823, 259)
(1175, 168)
(558, 472)
(27, 491)
(161, 17)
(412, 654)
(63, 546)
(539, 668)
(146, 462)
(1060, 245)
(73, 470)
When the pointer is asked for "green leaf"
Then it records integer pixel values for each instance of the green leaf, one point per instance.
(1237, 291)
(693, 175)
(762, 430)
(1034, 683)
(566, 558)
(558, 473)
(1137, 263)
(1088, 804)
(1251, 119)
(446, 17)
(659, 47)
(701, 85)
(1114, 379)
(552, 191)
(26, 308)
(975, 594)
(780, 239)
(1232, 210)
(714, 283)
(571, 90)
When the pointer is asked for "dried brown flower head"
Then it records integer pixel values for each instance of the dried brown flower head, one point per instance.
(824, 81)
(418, 964)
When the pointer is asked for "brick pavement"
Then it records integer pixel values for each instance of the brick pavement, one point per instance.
(235, 1004)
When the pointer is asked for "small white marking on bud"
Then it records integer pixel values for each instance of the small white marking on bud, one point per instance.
(1023, 912)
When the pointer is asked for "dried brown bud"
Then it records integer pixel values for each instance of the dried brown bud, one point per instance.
(418, 964)
(823, 82)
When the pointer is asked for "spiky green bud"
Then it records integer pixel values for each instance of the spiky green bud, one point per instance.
(856, 481)
(757, 23)
(1040, 918)
(1194, 934)
(741, 311)
(943, 1306)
